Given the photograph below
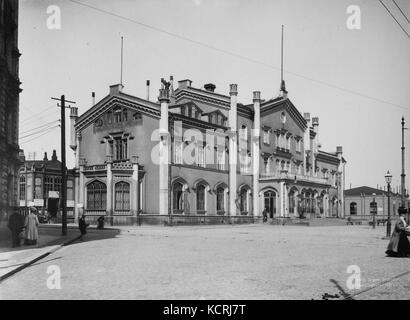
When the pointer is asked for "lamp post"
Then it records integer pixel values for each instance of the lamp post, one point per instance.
(388, 177)
(402, 208)
(374, 210)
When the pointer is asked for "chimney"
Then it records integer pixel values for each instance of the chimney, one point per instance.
(148, 90)
(339, 150)
(116, 89)
(54, 156)
(283, 92)
(93, 98)
(73, 119)
(183, 84)
(210, 87)
(45, 157)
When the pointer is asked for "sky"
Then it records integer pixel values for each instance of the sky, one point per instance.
(357, 81)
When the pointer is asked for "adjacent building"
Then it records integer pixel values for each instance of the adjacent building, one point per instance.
(198, 156)
(40, 186)
(359, 202)
(9, 106)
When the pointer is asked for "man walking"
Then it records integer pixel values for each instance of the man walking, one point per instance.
(15, 224)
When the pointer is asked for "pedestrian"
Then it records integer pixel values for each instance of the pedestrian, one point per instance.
(265, 215)
(16, 226)
(31, 225)
(82, 225)
(100, 222)
(399, 245)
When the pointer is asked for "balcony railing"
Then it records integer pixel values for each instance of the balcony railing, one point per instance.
(291, 176)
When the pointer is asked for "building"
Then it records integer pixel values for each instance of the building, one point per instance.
(9, 106)
(358, 202)
(40, 185)
(197, 156)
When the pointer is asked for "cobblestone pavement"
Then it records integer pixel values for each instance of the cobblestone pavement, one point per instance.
(218, 262)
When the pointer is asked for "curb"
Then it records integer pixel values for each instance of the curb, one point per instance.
(42, 256)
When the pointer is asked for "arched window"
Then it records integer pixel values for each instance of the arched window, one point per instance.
(124, 114)
(122, 196)
(178, 198)
(117, 115)
(292, 202)
(22, 187)
(220, 200)
(96, 196)
(353, 208)
(244, 201)
(200, 199)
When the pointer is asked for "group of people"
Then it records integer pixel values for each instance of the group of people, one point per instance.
(24, 228)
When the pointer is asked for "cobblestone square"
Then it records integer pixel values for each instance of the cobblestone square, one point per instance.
(219, 262)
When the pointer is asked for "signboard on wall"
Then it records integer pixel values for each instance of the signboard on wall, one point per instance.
(53, 194)
(38, 202)
(70, 203)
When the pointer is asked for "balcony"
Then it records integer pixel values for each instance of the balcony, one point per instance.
(284, 175)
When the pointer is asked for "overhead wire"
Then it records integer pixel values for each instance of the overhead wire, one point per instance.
(181, 37)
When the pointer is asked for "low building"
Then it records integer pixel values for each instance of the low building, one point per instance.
(358, 202)
(40, 185)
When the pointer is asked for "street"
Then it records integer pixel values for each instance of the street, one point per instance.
(218, 262)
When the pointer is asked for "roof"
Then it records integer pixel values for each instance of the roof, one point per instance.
(368, 191)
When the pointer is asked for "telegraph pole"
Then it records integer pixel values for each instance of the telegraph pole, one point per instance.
(63, 191)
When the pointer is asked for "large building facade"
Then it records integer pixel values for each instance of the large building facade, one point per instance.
(197, 156)
(9, 106)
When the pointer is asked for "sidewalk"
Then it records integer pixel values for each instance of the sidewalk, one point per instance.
(50, 239)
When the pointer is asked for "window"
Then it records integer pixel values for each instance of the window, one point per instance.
(353, 208)
(96, 196)
(178, 151)
(122, 196)
(292, 202)
(124, 115)
(22, 195)
(244, 200)
(298, 145)
(220, 199)
(200, 199)
(200, 155)
(177, 197)
(265, 136)
(121, 149)
(287, 147)
(220, 158)
(117, 115)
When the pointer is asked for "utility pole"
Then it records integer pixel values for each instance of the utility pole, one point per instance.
(63, 191)
(403, 175)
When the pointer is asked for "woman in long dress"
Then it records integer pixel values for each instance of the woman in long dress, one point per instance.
(399, 245)
(31, 224)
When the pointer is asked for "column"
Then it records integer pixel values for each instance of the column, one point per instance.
(134, 187)
(164, 151)
(233, 149)
(109, 209)
(256, 152)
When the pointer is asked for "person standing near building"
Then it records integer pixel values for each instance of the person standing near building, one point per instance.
(265, 215)
(31, 224)
(16, 225)
(82, 225)
(399, 245)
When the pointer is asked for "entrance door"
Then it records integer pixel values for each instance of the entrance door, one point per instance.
(270, 202)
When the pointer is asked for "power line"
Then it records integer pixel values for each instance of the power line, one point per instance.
(39, 131)
(46, 124)
(37, 115)
(50, 129)
(408, 35)
(404, 15)
(236, 54)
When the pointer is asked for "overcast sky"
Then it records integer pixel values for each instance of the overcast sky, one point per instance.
(322, 55)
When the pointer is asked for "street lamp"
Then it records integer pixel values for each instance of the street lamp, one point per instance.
(374, 210)
(388, 177)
